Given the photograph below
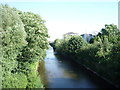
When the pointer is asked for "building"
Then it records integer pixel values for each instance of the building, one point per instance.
(87, 37)
(70, 34)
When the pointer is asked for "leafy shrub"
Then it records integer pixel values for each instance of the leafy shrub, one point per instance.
(75, 43)
(24, 42)
(15, 80)
(36, 37)
(34, 80)
(13, 39)
(102, 55)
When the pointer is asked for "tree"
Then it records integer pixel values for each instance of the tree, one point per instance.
(36, 37)
(75, 43)
(112, 32)
(24, 42)
(13, 39)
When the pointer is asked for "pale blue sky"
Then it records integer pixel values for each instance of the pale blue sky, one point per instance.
(72, 16)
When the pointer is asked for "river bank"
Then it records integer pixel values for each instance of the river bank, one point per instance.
(101, 55)
(57, 72)
(106, 83)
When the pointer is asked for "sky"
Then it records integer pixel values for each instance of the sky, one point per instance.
(63, 16)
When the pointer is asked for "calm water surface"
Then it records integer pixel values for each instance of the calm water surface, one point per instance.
(59, 73)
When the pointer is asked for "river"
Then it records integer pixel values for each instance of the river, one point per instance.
(60, 73)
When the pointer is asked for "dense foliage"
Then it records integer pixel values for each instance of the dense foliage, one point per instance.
(101, 55)
(24, 42)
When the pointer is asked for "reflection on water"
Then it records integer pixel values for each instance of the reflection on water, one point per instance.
(58, 73)
(42, 73)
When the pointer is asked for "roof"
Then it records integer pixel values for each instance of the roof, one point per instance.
(69, 33)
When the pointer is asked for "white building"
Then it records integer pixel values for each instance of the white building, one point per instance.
(70, 34)
(87, 37)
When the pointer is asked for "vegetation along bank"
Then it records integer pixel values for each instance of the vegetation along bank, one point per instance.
(23, 44)
(101, 54)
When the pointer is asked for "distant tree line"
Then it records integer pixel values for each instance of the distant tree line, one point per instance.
(23, 44)
(102, 54)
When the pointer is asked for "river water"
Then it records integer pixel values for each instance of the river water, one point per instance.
(59, 73)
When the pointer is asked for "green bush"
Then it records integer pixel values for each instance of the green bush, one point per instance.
(15, 81)
(102, 55)
(13, 38)
(34, 80)
(36, 37)
(24, 42)
(75, 43)
(35, 50)
(70, 45)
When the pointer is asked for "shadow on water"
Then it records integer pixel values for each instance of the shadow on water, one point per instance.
(57, 72)
(80, 70)
(42, 73)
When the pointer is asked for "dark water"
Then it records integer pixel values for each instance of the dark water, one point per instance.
(59, 73)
